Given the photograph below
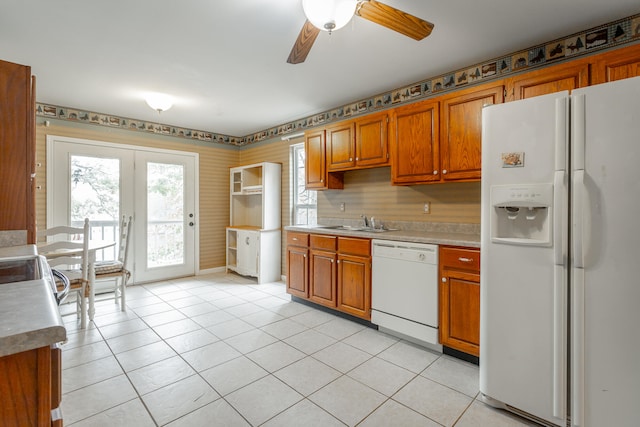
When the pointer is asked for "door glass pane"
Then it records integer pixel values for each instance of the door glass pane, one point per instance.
(165, 215)
(95, 194)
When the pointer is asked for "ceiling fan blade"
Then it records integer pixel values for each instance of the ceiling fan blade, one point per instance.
(303, 43)
(394, 19)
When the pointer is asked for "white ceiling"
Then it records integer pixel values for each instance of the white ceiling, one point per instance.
(224, 61)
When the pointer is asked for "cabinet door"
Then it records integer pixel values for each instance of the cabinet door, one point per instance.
(414, 144)
(460, 311)
(354, 285)
(322, 277)
(557, 78)
(372, 145)
(340, 146)
(459, 295)
(617, 65)
(461, 142)
(17, 145)
(248, 252)
(314, 147)
(297, 271)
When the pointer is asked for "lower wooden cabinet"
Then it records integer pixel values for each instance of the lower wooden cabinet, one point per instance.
(322, 270)
(354, 276)
(298, 264)
(30, 385)
(331, 271)
(460, 299)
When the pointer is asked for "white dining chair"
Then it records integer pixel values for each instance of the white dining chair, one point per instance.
(67, 250)
(116, 270)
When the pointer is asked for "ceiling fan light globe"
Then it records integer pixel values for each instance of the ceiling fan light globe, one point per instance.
(159, 101)
(329, 15)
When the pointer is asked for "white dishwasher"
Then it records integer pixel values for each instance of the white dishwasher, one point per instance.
(404, 290)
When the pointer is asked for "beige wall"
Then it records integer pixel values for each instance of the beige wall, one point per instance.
(370, 192)
(367, 191)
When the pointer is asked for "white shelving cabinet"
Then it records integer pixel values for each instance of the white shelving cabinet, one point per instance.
(254, 235)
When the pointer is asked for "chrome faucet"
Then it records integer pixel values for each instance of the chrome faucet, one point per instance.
(365, 219)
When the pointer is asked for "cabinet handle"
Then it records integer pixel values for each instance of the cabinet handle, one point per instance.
(435, 172)
(444, 171)
(462, 259)
(246, 240)
(295, 239)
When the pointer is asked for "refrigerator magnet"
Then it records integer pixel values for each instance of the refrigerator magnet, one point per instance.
(513, 160)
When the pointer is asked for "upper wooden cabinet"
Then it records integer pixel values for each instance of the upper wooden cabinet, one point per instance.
(315, 170)
(360, 143)
(616, 65)
(341, 146)
(568, 76)
(414, 143)
(17, 148)
(372, 140)
(461, 140)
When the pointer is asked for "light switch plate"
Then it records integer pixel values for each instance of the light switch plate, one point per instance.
(426, 208)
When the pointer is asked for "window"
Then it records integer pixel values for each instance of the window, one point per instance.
(304, 202)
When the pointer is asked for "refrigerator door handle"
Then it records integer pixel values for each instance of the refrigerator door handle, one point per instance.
(577, 347)
(559, 342)
(560, 215)
(579, 220)
(578, 129)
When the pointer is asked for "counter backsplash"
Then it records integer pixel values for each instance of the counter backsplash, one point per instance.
(13, 238)
(430, 227)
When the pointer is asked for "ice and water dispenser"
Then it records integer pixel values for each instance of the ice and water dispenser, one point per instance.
(521, 214)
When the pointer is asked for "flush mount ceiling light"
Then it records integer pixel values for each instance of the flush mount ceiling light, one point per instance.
(159, 101)
(329, 15)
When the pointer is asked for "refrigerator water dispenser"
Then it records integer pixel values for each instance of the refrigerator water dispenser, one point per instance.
(521, 214)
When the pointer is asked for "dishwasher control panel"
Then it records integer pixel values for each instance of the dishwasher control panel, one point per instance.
(414, 252)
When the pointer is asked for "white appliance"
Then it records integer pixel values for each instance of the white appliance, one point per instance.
(560, 286)
(404, 290)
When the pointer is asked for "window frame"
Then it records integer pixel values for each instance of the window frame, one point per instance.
(295, 188)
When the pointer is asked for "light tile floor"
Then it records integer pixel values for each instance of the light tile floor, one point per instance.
(220, 350)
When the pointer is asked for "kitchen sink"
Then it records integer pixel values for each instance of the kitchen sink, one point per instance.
(356, 228)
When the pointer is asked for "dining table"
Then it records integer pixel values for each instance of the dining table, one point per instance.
(94, 246)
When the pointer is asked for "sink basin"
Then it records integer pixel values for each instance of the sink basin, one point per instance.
(355, 228)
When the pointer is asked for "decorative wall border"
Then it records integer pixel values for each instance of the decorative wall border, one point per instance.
(605, 36)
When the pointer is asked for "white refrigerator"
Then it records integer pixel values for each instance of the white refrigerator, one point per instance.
(560, 244)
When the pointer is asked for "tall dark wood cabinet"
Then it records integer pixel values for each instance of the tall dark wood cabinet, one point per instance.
(17, 149)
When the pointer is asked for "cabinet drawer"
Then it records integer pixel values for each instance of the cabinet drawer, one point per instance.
(297, 239)
(327, 243)
(461, 259)
(354, 246)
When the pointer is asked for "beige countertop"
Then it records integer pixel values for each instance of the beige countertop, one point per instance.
(414, 236)
(29, 316)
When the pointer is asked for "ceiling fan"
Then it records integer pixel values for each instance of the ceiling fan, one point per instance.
(330, 15)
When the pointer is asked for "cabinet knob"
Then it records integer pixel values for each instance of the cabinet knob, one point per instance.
(295, 239)
(444, 280)
(435, 172)
(322, 180)
(357, 159)
(351, 159)
(444, 171)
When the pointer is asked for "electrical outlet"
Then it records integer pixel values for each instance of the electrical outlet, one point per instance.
(342, 207)
(426, 208)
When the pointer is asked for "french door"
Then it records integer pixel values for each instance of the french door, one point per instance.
(104, 182)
